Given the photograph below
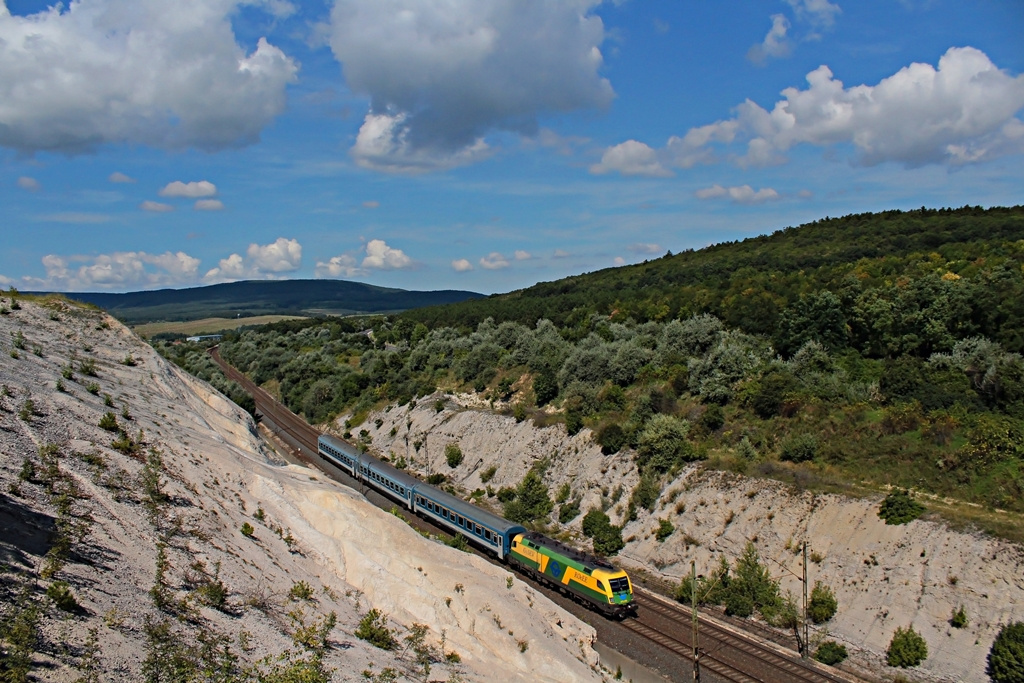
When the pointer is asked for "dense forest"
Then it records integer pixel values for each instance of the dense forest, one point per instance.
(877, 348)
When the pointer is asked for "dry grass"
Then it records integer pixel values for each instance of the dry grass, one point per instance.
(208, 325)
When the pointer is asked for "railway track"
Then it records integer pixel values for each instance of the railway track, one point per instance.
(728, 655)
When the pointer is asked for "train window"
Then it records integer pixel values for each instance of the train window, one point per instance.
(462, 521)
(600, 585)
(478, 530)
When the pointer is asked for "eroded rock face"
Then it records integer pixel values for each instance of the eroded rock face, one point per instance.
(883, 576)
(218, 475)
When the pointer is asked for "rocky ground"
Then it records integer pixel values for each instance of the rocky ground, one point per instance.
(883, 576)
(179, 526)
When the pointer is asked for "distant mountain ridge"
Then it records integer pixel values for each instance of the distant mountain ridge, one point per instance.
(265, 297)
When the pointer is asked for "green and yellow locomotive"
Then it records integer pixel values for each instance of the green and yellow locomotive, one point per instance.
(591, 579)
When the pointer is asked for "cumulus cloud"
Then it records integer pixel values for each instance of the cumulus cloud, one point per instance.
(156, 207)
(522, 255)
(142, 72)
(561, 253)
(191, 190)
(261, 262)
(631, 158)
(30, 184)
(461, 265)
(344, 265)
(775, 44)
(377, 255)
(964, 111)
(441, 75)
(119, 270)
(380, 256)
(118, 177)
(741, 194)
(493, 261)
(208, 205)
(619, 261)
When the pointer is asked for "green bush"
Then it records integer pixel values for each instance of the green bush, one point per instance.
(646, 493)
(611, 437)
(568, 511)
(799, 448)
(959, 618)
(531, 502)
(1006, 658)
(109, 422)
(488, 474)
(453, 455)
(373, 628)
(607, 537)
(830, 652)
(436, 479)
(665, 530)
(247, 530)
(63, 598)
(823, 603)
(300, 590)
(907, 648)
(899, 508)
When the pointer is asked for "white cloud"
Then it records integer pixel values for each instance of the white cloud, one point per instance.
(372, 204)
(96, 72)
(619, 261)
(30, 184)
(261, 262)
(521, 255)
(157, 207)
(561, 253)
(208, 205)
(441, 75)
(964, 111)
(645, 248)
(775, 43)
(493, 261)
(461, 265)
(191, 190)
(821, 13)
(741, 194)
(119, 270)
(631, 158)
(339, 266)
(380, 256)
(118, 177)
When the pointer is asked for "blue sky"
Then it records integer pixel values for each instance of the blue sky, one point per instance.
(479, 144)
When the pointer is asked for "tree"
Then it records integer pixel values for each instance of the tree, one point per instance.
(531, 502)
(752, 585)
(830, 652)
(607, 537)
(823, 604)
(907, 648)
(1006, 658)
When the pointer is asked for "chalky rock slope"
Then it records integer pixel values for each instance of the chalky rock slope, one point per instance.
(63, 368)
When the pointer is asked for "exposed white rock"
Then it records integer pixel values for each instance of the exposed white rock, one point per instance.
(219, 472)
(883, 576)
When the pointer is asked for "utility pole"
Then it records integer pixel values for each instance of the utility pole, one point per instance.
(806, 644)
(693, 602)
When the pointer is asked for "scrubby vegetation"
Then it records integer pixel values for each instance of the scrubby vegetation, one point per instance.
(878, 348)
(1006, 658)
(907, 648)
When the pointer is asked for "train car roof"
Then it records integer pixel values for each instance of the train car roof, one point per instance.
(335, 441)
(467, 509)
(377, 465)
(568, 551)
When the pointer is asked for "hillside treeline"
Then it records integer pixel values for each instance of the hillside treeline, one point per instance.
(881, 348)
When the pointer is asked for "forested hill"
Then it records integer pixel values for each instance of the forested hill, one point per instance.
(248, 298)
(888, 283)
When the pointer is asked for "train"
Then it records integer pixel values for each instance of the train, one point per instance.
(593, 581)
